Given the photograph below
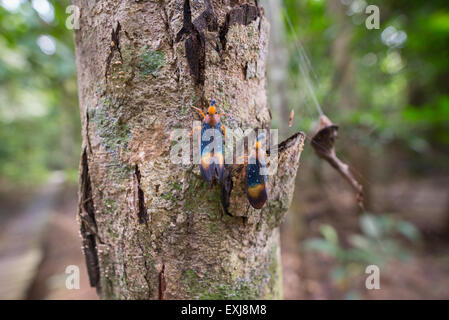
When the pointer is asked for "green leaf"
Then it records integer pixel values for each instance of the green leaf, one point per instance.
(408, 230)
(329, 233)
(322, 246)
(369, 226)
(359, 241)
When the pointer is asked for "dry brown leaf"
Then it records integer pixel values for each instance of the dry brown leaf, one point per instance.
(323, 144)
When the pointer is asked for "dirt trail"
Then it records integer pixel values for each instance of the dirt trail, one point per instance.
(62, 245)
(21, 248)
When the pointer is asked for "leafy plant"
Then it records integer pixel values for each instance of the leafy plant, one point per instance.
(379, 243)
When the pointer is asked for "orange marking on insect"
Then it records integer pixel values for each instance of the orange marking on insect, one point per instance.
(255, 191)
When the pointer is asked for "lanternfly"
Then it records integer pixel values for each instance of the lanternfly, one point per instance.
(212, 160)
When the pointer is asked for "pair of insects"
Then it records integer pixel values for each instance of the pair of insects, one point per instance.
(212, 160)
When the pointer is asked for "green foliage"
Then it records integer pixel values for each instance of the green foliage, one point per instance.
(431, 119)
(39, 117)
(379, 243)
(397, 94)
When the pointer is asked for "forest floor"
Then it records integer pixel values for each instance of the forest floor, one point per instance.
(49, 235)
(62, 246)
(423, 275)
(307, 275)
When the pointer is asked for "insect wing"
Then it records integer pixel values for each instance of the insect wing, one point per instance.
(219, 159)
(256, 183)
(212, 160)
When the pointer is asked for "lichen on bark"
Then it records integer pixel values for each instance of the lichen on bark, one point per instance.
(160, 230)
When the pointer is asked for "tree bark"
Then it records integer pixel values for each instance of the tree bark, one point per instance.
(152, 229)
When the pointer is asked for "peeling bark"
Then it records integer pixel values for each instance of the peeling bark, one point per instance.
(152, 229)
(88, 225)
(244, 15)
(141, 209)
(115, 45)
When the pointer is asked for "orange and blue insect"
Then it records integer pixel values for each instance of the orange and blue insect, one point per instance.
(256, 179)
(212, 160)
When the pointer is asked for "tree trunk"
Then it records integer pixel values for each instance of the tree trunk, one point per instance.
(152, 229)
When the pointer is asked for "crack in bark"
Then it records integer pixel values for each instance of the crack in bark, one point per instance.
(194, 45)
(170, 36)
(244, 15)
(162, 283)
(206, 20)
(195, 40)
(88, 224)
(87, 130)
(142, 213)
(115, 46)
(187, 24)
(196, 56)
(226, 189)
(132, 63)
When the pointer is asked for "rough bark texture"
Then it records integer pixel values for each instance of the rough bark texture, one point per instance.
(152, 229)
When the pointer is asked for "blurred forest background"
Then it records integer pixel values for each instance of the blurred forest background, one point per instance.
(387, 89)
